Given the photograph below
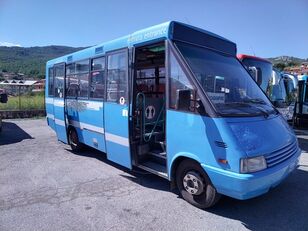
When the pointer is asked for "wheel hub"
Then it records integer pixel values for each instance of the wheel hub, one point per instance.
(193, 183)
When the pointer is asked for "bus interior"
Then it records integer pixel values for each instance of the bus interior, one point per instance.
(149, 109)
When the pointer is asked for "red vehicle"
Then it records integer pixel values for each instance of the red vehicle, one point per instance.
(271, 82)
(261, 69)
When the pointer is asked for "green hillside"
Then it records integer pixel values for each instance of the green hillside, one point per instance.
(283, 62)
(30, 61)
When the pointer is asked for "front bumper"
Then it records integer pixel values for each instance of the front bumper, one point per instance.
(245, 186)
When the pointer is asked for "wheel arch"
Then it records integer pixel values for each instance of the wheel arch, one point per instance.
(176, 162)
(69, 128)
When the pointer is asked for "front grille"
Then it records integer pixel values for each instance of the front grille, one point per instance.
(281, 155)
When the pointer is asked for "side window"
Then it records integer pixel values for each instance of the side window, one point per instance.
(82, 72)
(117, 79)
(72, 86)
(97, 78)
(59, 81)
(181, 93)
(50, 82)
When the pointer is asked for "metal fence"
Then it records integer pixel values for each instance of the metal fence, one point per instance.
(23, 103)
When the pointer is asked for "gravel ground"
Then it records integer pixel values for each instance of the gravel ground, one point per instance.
(44, 186)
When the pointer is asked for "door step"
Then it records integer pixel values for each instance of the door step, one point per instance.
(158, 154)
(155, 168)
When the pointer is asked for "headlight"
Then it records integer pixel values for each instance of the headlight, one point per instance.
(253, 164)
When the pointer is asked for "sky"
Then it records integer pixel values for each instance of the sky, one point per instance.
(265, 28)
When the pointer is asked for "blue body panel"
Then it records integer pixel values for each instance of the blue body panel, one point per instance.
(50, 113)
(59, 118)
(245, 186)
(197, 140)
(117, 133)
(87, 117)
(242, 137)
(258, 136)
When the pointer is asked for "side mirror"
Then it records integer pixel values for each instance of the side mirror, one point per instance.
(183, 99)
(3, 98)
(256, 74)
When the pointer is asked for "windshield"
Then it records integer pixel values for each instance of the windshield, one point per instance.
(277, 91)
(227, 84)
(264, 69)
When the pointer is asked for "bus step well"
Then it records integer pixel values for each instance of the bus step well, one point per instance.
(155, 168)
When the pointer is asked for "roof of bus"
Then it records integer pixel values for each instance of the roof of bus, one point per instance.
(167, 30)
(243, 56)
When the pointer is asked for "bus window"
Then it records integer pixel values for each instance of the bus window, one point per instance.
(82, 72)
(59, 80)
(117, 77)
(50, 82)
(97, 78)
(71, 81)
(178, 82)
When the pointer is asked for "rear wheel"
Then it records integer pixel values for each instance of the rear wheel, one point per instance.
(76, 146)
(195, 186)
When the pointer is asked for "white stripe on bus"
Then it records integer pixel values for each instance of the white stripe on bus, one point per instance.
(108, 136)
(50, 116)
(49, 100)
(93, 105)
(58, 103)
(117, 139)
(87, 126)
(59, 122)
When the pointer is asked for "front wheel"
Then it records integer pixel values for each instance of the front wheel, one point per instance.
(76, 146)
(195, 186)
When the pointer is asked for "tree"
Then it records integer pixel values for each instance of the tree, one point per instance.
(280, 66)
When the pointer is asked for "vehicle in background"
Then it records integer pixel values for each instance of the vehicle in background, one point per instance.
(270, 81)
(175, 101)
(277, 93)
(3, 99)
(291, 85)
(259, 68)
(301, 106)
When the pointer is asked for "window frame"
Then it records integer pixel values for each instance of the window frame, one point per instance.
(113, 52)
(80, 73)
(64, 79)
(67, 78)
(209, 109)
(104, 80)
(51, 93)
(77, 75)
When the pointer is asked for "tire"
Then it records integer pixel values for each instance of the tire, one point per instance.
(189, 174)
(76, 146)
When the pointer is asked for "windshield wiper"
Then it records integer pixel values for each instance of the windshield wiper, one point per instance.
(256, 100)
(246, 103)
(260, 101)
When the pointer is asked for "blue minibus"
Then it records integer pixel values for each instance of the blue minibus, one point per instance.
(175, 101)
